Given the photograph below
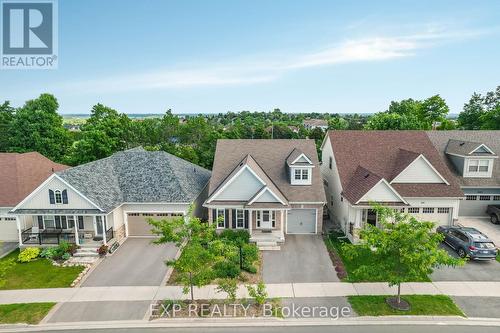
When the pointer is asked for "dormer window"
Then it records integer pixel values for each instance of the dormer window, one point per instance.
(58, 197)
(301, 176)
(480, 168)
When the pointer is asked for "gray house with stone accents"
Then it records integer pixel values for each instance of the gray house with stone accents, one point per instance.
(269, 187)
(112, 198)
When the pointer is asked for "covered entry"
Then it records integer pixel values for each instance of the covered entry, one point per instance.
(138, 225)
(301, 221)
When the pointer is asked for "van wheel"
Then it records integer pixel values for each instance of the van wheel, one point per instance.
(461, 253)
(494, 219)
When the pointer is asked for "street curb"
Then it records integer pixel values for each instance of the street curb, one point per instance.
(271, 322)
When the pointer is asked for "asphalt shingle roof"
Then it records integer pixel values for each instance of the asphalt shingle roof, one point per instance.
(137, 176)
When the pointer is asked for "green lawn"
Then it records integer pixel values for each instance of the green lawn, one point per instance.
(39, 273)
(333, 242)
(30, 313)
(421, 305)
(498, 256)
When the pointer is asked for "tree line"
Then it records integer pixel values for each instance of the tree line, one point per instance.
(37, 126)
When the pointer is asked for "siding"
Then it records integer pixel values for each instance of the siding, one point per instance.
(418, 172)
(40, 200)
(241, 188)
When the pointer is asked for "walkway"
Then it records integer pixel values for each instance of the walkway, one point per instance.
(328, 289)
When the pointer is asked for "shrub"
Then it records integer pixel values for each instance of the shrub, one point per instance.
(250, 268)
(259, 293)
(66, 256)
(102, 250)
(236, 237)
(228, 286)
(28, 254)
(48, 252)
(250, 253)
(226, 269)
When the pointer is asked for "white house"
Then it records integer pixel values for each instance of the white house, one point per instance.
(401, 169)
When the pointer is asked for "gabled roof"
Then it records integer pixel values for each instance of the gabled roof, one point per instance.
(383, 154)
(295, 156)
(271, 157)
(491, 139)
(360, 183)
(250, 163)
(137, 176)
(467, 148)
(20, 174)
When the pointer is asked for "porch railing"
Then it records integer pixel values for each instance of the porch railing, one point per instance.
(109, 234)
(47, 236)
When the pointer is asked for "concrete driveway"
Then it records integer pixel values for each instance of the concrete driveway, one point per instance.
(7, 247)
(137, 262)
(302, 258)
(485, 226)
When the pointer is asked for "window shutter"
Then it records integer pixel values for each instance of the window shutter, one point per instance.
(233, 217)
(52, 200)
(81, 226)
(226, 219)
(214, 215)
(65, 196)
(64, 223)
(40, 222)
(246, 219)
(58, 222)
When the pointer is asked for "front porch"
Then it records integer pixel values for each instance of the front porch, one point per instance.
(51, 230)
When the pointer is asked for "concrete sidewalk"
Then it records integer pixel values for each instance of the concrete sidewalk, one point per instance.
(285, 290)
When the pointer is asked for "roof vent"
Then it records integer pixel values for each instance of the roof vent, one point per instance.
(367, 175)
(462, 143)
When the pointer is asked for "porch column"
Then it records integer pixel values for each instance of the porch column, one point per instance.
(250, 222)
(103, 217)
(77, 239)
(19, 231)
(125, 222)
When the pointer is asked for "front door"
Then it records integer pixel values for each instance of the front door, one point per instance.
(266, 220)
(371, 217)
(98, 226)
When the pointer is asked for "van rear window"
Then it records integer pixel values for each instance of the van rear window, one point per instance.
(484, 245)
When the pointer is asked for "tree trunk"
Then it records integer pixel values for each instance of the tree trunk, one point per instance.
(399, 293)
(191, 286)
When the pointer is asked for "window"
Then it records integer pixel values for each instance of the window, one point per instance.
(221, 218)
(330, 162)
(133, 214)
(266, 215)
(331, 200)
(485, 197)
(240, 218)
(48, 221)
(428, 210)
(471, 197)
(413, 210)
(305, 174)
(297, 174)
(483, 165)
(301, 174)
(443, 210)
(479, 166)
(9, 218)
(496, 197)
(58, 196)
(147, 214)
(473, 165)
(402, 210)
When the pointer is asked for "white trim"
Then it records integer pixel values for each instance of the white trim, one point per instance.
(45, 183)
(306, 203)
(225, 206)
(473, 156)
(390, 187)
(260, 213)
(213, 196)
(484, 146)
(264, 189)
(302, 155)
(236, 218)
(217, 218)
(428, 163)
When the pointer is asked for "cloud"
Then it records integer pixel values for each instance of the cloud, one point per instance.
(377, 48)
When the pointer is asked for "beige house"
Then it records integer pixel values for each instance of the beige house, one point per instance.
(269, 187)
(111, 198)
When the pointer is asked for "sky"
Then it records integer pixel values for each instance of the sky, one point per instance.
(298, 56)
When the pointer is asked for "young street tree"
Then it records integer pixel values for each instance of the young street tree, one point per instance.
(404, 249)
(201, 249)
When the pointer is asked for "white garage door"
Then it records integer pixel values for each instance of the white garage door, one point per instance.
(440, 215)
(301, 221)
(8, 229)
(475, 205)
(138, 225)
